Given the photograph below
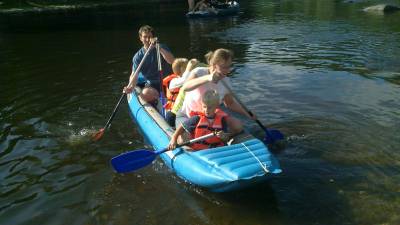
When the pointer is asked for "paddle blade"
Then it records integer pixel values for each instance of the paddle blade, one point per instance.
(133, 160)
(98, 135)
(272, 136)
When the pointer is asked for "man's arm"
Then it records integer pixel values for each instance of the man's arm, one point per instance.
(134, 75)
(167, 55)
(133, 78)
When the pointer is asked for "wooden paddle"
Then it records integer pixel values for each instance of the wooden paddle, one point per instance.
(134, 160)
(99, 134)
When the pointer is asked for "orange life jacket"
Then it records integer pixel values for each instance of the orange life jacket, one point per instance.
(203, 127)
(170, 94)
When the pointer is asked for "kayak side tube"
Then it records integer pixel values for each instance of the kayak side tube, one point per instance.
(219, 169)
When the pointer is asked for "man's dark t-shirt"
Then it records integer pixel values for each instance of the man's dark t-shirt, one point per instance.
(149, 70)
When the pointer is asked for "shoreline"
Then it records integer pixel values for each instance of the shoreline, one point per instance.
(31, 7)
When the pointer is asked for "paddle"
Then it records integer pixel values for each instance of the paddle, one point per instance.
(99, 134)
(271, 135)
(134, 160)
(162, 98)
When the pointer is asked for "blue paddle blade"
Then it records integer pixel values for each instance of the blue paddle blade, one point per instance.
(272, 136)
(133, 160)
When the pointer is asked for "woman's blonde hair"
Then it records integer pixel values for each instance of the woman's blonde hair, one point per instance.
(218, 56)
(179, 66)
(210, 98)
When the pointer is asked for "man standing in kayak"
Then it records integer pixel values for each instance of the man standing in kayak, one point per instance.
(149, 75)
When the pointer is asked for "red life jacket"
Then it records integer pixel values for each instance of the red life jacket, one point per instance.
(203, 127)
(170, 94)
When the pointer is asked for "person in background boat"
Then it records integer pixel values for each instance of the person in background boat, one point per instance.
(202, 79)
(193, 6)
(210, 119)
(149, 77)
(205, 6)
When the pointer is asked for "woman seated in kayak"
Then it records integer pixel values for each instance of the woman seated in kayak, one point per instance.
(212, 77)
(211, 119)
(206, 6)
(181, 68)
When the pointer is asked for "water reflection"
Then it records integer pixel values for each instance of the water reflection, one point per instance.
(317, 45)
(200, 31)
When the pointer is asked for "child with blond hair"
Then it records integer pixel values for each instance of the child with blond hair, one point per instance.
(211, 119)
(171, 84)
(170, 92)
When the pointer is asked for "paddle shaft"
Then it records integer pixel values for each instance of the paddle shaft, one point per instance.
(140, 64)
(187, 142)
(114, 111)
(134, 160)
(161, 78)
(123, 94)
(245, 108)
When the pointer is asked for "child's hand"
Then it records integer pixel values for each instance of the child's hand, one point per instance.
(172, 144)
(224, 136)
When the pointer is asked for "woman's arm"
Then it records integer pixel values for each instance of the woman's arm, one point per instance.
(192, 84)
(176, 82)
(167, 55)
(231, 104)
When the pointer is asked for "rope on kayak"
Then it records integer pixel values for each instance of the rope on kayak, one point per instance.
(263, 165)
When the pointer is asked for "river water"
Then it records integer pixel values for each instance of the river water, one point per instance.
(323, 72)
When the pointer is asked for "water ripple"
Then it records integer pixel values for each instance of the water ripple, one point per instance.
(320, 45)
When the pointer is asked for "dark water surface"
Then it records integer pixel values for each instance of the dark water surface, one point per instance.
(323, 72)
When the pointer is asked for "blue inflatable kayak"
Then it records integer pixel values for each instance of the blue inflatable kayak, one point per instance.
(244, 162)
(229, 9)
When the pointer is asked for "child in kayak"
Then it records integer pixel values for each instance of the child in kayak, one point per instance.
(170, 92)
(211, 119)
(172, 84)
